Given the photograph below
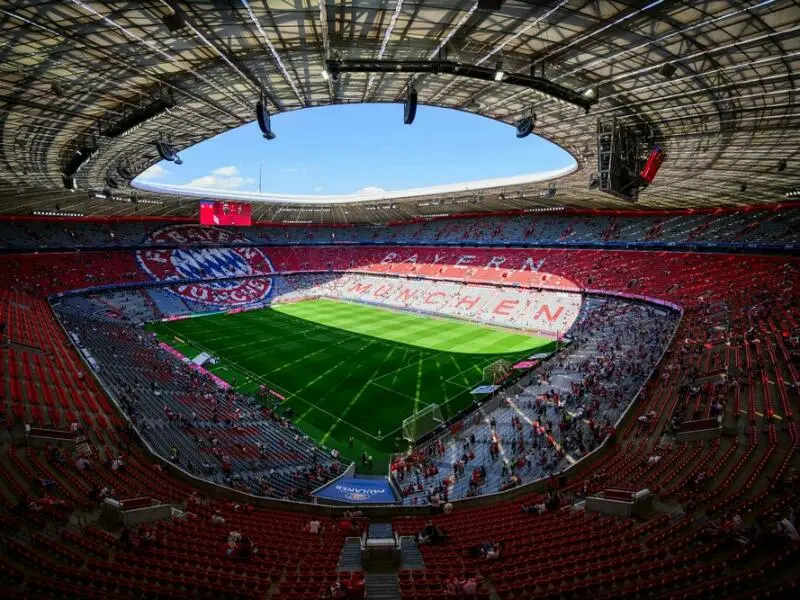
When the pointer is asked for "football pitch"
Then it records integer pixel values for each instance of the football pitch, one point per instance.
(351, 370)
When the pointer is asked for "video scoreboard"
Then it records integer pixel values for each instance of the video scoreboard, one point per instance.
(215, 212)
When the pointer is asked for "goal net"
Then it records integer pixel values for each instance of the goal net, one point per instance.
(497, 371)
(422, 423)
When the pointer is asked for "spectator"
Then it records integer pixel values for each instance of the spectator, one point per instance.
(430, 534)
(245, 548)
(470, 587)
(356, 588)
(314, 527)
(785, 528)
(491, 550)
(126, 540)
(217, 519)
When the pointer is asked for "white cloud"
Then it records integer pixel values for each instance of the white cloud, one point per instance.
(371, 189)
(226, 171)
(220, 183)
(319, 188)
(222, 178)
(154, 172)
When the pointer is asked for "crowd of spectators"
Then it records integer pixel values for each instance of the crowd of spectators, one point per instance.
(212, 432)
(566, 408)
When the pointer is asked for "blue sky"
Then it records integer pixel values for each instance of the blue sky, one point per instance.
(346, 149)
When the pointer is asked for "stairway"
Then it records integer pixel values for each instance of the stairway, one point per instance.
(410, 556)
(382, 585)
(350, 559)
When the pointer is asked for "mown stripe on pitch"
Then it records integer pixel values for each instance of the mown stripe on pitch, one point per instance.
(356, 398)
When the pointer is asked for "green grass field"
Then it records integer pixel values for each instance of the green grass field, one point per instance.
(350, 369)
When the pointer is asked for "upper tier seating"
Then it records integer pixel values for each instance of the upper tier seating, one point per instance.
(771, 227)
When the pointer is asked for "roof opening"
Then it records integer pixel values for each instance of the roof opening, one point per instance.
(358, 150)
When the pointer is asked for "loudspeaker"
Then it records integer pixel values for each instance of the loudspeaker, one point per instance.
(174, 22)
(124, 172)
(782, 165)
(165, 151)
(263, 117)
(668, 70)
(489, 4)
(525, 126)
(410, 107)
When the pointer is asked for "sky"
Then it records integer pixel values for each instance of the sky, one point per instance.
(357, 148)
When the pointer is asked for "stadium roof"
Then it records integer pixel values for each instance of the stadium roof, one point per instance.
(87, 87)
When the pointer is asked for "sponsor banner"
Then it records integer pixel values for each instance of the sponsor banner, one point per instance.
(484, 389)
(197, 263)
(358, 491)
(173, 352)
(539, 356)
(271, 392)
(526, 364)
(201, 359)
(220, 382)
(189, 316)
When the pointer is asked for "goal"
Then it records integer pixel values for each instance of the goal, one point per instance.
(497, 371)
(422, 422)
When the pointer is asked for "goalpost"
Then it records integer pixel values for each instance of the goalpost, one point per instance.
(422, 423)
(497, 371)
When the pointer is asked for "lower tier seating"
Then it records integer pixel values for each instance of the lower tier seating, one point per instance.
(724, 526)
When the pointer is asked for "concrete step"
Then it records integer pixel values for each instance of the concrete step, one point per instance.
(382, 586)
(410, 556)
(350, 558)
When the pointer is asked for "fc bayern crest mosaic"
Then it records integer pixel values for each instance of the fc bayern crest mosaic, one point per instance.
(208, 263)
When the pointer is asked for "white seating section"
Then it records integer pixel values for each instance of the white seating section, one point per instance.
(545, 312)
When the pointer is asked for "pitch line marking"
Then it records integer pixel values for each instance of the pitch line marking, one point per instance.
(434, 354)
(412, 363)
(395, 392)
(289, 395)
(292, 395)
(355, 399)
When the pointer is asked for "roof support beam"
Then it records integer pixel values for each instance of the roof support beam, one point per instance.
(326, 42)
(275, 55)
(539, 84)
(397, 8)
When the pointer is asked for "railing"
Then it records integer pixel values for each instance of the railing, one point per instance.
(684, 246)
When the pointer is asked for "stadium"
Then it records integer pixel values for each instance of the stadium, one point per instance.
(576, 383)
